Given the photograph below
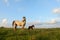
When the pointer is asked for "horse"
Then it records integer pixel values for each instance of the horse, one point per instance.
(31, 27)
(16, 23)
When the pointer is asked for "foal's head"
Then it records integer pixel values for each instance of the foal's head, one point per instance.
(32, 25)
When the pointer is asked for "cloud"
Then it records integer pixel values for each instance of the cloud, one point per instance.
(58, 0)
(6, 2)
(4, 22)
(58, 19)
(56, 10)
(34, 23)
(53, 21)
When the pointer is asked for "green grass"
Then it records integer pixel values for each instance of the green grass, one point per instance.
(36, 34)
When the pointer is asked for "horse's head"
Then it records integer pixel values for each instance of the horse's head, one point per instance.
(24, 19)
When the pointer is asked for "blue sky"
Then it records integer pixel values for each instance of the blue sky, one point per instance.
(34, 10)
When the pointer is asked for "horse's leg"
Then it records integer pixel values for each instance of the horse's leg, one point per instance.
(15, 27)
(22, 27)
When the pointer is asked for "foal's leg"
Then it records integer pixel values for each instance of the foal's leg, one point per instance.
(32, 28)
(28, 28)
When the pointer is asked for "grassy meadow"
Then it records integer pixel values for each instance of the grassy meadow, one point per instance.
(36, 34)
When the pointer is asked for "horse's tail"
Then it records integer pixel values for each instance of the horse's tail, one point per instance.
(13, 23)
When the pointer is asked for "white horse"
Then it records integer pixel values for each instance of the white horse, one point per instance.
(16, 23)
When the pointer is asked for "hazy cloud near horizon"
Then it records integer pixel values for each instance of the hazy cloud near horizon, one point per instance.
(56, 10)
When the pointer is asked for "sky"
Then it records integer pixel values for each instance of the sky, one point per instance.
(45, 12)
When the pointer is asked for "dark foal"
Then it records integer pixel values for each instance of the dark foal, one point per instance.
(31, 27)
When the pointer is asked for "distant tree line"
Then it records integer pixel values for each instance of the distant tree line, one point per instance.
(2, 27)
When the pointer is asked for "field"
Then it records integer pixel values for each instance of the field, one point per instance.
(36, 34)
